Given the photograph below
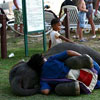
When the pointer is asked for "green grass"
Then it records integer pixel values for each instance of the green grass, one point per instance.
(16, 45)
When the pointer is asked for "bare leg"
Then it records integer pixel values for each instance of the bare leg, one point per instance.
(16, 27)
(92, 24)
(78, 30)
(21, 28)
(80, 33)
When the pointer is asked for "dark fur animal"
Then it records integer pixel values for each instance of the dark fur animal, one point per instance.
(23, 80)
(82, 49)
(76, 47)
(78, 62)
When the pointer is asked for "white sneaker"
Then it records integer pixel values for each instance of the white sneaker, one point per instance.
(93, 37)
(75, 37)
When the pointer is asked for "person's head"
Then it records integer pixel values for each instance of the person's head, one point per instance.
(56, 24)
(47, 6)
(35, 62)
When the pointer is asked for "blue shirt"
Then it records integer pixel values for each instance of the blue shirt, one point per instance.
(54, 68)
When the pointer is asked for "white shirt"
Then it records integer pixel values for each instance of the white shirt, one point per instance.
(19, 3)
(54, 36)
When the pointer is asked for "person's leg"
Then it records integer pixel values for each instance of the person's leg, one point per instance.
(90, 19)
(82, 17)
(80, 25)
(77, 31)
(21, 21)
(21, 28)
(68, 88)
(80, 33)
(17, 21)
(15, 27)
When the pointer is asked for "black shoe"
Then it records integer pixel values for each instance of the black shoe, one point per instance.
(68, 89)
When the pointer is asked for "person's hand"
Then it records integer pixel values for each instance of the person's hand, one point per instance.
(86, 10)
(45, 91)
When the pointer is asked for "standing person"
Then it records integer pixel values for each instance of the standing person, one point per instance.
(81, 18)
(55, 36)
(66, 2)
(17, 9)
(89, 15)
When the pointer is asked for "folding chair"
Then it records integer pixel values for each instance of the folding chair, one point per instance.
(73, 15)
(73, 19)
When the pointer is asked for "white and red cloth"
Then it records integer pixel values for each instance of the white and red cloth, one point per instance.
(85, 76)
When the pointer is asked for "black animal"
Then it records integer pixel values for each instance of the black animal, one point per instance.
(82, 49)
(23, 80)
(78, 62)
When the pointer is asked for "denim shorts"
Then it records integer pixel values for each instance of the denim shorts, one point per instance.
(82, 18)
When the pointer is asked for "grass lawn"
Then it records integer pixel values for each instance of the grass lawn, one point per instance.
(16, 45)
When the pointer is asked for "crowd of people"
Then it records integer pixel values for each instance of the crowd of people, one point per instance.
(85, 10)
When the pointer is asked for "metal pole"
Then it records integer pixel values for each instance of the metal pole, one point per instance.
(66, 23)
(3, 36)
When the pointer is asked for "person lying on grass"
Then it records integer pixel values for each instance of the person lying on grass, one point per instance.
(55, 68)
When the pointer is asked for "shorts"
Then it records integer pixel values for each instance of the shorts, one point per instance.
(90, 10)
(82, 18)
(18, 16)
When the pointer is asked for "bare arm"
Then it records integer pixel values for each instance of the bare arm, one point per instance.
(15, 3)
(60, 12)
(65, 39)
(73, 53)
(49, 44)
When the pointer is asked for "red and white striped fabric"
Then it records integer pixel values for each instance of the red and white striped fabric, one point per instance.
(84, 76)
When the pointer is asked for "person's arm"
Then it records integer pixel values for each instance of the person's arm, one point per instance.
(65, 54)
(45, 88)
(15, 3)
(81, 8)
(45, 91)
(96, 7)
(49, 44)
(60, 12)
(73, 53)
(65, 39)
